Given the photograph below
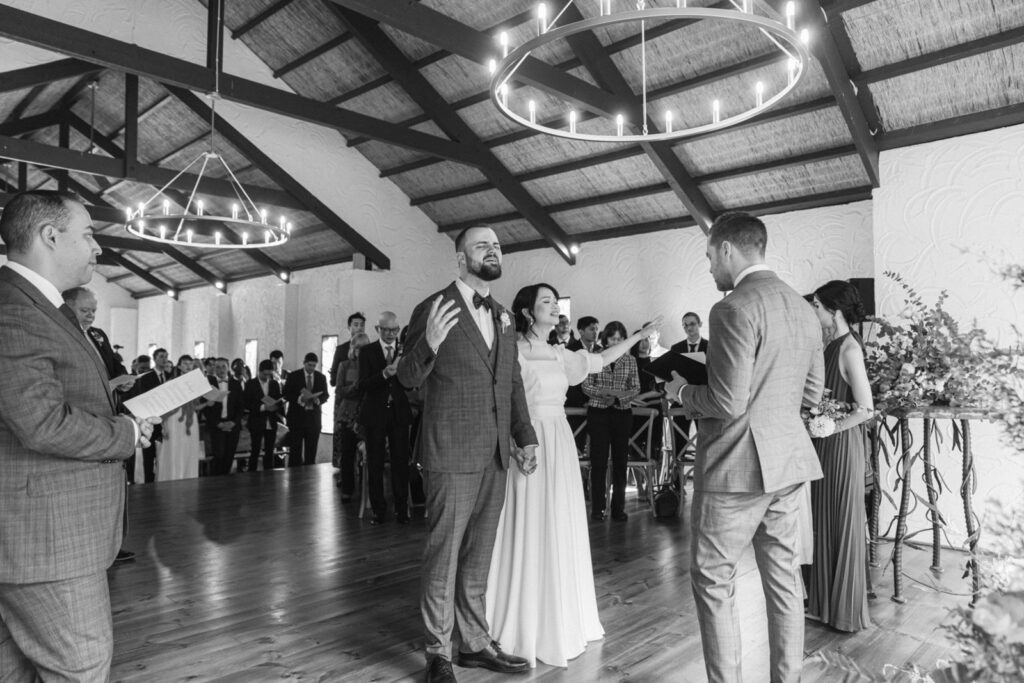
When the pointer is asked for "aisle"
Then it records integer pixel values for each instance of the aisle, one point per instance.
(268, 577)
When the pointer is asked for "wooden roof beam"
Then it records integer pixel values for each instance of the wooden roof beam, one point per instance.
(823, 45)
(44, 74)
(139, 271)
(955, 126)
(31, 124)
(378, 44)
(259, 18)
(33, 29)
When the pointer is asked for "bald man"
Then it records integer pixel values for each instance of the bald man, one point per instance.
(385, 415)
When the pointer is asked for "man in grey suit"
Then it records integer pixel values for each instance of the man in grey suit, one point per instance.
(461, 350)
(764, 361)
(61, 449)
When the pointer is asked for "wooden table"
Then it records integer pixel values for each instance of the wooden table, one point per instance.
(900, 435)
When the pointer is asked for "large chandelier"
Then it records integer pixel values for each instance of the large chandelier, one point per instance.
(784, 35)
(199, 225)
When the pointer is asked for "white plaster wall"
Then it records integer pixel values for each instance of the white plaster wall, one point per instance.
(940, 207)
(632, 279)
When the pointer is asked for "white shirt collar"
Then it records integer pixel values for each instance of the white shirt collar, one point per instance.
(45, 287)
(385, 346)
(747, 271)
(468, 292)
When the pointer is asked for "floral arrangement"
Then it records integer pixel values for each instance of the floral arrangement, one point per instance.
(926, 359)
(821, 420)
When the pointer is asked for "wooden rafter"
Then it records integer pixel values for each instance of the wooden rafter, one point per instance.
(44, 74)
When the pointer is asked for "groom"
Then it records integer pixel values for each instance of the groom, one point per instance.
(461, 349)
(764, 361)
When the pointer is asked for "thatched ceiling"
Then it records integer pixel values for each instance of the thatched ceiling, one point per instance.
(884, 74)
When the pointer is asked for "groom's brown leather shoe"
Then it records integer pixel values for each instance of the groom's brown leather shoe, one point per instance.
(491, 657)
(439, 670)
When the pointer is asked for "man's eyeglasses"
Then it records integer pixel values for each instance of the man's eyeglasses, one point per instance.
(392, 330)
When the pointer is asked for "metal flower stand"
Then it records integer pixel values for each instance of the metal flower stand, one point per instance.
(900, 436)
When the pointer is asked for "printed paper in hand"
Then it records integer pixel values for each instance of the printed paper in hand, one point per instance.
(169, 395)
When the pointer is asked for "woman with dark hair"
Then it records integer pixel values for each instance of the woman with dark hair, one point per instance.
(837, 591)
(541, 602)
(609, 423)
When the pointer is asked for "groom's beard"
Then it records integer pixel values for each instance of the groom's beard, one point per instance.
(487, 272)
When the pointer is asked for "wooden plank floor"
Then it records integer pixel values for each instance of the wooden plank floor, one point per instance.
(267, 577)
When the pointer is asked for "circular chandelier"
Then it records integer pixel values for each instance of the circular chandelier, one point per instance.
(791, 43)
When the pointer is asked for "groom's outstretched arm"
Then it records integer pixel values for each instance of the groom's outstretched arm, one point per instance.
(418, 360)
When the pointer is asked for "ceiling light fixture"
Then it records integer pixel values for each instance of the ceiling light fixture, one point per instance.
(783, 34)
(201, 225)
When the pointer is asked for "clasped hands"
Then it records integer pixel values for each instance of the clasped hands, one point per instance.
(526, 458)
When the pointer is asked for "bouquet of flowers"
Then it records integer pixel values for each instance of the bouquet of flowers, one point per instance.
(821, 420)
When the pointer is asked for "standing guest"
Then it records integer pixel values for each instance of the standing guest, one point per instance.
(356, 324)
(588, 329)
(344, 440)
(61, 452)
(609, 422)
(561, 334)
(263, 414)
(837, 592)
(304, 390)
(694, 343)
(462, 351)
(277, 358)
(182, 448)
(210, 367)
(346, 410)
(385, 415)
(240, 371)
(764, 362)
(224, 418)
(146, 382)
(83, 302)
(656, 350)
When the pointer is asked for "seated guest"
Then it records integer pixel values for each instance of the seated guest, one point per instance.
(346, 408)
(263, 414)
(562, 332)
(609, 419)
(356, 325)
(304, 390)
(588, 329)
(693, 343)
(385, 415)
(224, 418)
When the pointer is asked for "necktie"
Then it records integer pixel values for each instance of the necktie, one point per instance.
(160, 377)
(482, 301)
(389, 355)
(309, 381)
(693, 348)
(70, 315)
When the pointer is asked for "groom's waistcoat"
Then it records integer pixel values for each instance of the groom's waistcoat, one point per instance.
(473, 400)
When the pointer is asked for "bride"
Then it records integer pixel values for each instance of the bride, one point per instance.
(541, 602)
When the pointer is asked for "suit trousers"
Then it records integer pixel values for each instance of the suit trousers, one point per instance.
(149, 463)
(303, 439)
(609, 430)
(265, 438)
(396, 434)
(723, 525)
(463, 509)
(223, 444)
(56, 631)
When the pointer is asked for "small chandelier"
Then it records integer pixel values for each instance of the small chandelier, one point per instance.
(784, 36)
(198, 225)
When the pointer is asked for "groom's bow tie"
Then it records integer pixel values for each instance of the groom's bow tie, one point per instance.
(485, 301)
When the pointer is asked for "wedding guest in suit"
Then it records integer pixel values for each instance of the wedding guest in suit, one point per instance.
(210, 367)
(561, 334)
(83, 302)
(346, 411)
(656, 350)
(462, 351)
(146, 382)
(764, 362)
(240, 371)
(224, 418)
(385, 415)
(305, 390)
(837, 591)
(263, 415)
(588, 329)
(694, 343)
(62, 491)
(356, 324)
(277, 358)
(610, 395)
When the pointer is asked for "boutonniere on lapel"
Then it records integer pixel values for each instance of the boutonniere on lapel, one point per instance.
(501, 315)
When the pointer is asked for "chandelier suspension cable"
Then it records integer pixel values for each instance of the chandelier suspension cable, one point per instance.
(640, 5)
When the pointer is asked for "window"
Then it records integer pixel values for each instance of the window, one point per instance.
(252, 357)
(199, 350)
(328, 344)
(565, 306)
(152, 347)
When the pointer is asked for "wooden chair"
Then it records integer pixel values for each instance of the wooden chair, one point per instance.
(640, 459)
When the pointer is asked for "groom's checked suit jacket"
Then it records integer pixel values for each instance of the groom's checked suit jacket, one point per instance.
(471, 402)
(61, 446)
(764, 361)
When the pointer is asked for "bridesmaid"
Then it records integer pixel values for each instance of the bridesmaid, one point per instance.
(837, 592)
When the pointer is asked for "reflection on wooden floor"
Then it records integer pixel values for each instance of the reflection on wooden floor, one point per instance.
(269, 577)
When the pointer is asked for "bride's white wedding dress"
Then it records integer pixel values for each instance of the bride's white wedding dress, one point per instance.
(541, 602)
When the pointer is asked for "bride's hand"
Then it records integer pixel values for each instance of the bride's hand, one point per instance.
(526, 459)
